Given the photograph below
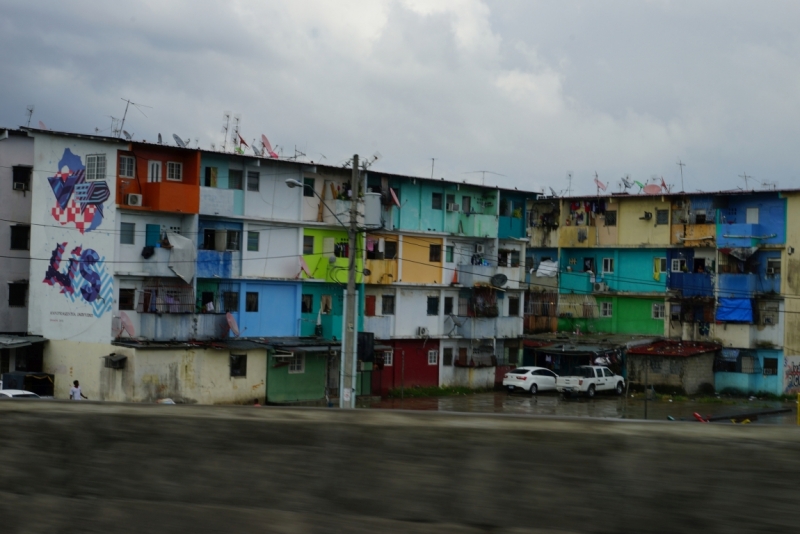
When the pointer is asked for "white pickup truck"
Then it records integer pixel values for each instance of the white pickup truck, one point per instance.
(589, 380)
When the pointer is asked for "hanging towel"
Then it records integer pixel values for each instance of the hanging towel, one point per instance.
(656, 273)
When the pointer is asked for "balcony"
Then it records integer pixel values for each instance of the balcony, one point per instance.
(691, 284)
(214, 201)
(381, 272)
(182, 326)
(694, 235)
(473, 224)
(479, 275)
(511, 227)
(490, 327)
(508, 327)
(576, 282)
(742, 235)
(577, 237)
(737, 286)
(218, 264)
(543, 236)
(342, 210)
(380, 325)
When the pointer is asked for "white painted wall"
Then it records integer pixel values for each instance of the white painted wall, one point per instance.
(57, 314)
(274, 199)
(277, 255)
(128, 258)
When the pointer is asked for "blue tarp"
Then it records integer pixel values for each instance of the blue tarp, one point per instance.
(738, 310)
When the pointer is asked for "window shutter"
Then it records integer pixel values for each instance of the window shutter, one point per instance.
(369, 305)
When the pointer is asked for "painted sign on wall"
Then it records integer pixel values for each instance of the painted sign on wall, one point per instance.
(79, 201)
(85, 278)
(791, 375)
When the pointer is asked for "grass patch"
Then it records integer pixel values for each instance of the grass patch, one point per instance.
(435, 391)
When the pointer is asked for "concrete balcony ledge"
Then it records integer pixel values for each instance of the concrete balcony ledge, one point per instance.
(475, 275)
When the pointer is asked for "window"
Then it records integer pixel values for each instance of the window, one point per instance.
(660, 265)
(466, 204)
(773, 266)
(678, 265)
(307, 304)
(253, 180)
(127, 299)
(297, 364)
(17, 294)
(513, 306)
(152, 235)
(387, 305)
(436, 201)
(433, 357)
(326, 304)
(388, 358)
(207, 301)
(20, 237)
(450, 199)
(308, 245)
(659, 310)
(126, 166)
(588, 264)
(238, 365)
(232, 240)
(21, 175)
(662, 216)
(447, 356)
(751, 216)
(234, 179)
(154, 171)
(605, 309)
(211, 177)
(608, 265)
(252, 241)
(435, 254)
(174, 171)
(95, 167)
(308, 190)
(390, 250)
(770, 366)
(165, 295)
(127, 233)
(209, 237)
(230, 300)
(251, 301)
(611, 218)
(448, 253)
(448, 305)
(674, 312)
(433, 305)
(700, 217)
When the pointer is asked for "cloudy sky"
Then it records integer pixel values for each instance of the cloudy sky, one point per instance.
(527, 89)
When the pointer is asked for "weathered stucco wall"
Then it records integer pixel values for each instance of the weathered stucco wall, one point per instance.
(138, 468)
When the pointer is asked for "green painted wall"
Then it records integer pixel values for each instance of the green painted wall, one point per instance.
(283, 386)
(629, 316)
(319, 262)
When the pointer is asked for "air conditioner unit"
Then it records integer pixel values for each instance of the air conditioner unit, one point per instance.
(19, 186)
(422, 331)
(769, 320)
(599, 286)
(647, 216)
(479, 249)
(453, 207)
(133, 199)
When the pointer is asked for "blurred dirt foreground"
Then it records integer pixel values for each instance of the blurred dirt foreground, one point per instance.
(103, 467)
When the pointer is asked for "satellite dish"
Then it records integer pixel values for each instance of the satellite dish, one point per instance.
(42, 126)
(268, 147)
(626, 182)
(232, 323)
(159, 139)
(652, 189)
(394, 197)
(256, 151)
(554, 192)
(128, 136)
(127, 324)
(498, 280)
(304, 268)
(178, 141)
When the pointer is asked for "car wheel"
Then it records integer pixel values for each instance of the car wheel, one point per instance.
(590, 391)
(534, 389)
(618, 389)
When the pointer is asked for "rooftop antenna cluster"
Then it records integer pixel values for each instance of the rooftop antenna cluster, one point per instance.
(29, 111)
(118, 131)
(483, 175)
(681, 164)
(226, 123)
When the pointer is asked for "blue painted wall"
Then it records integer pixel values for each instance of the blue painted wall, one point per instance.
(278, 309)
(747, 383)
(771, 220)
(218, 264)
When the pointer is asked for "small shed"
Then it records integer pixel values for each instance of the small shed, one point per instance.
(678, 364)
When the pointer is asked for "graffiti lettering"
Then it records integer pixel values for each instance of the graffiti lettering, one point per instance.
(90, 290)
(85, 277)
(54, 275)
(791, 375)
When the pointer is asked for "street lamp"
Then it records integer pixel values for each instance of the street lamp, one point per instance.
(347, 367)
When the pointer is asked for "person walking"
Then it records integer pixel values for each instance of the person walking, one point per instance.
(75, 392)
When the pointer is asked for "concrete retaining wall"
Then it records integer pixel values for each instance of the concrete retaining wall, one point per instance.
(93, 467)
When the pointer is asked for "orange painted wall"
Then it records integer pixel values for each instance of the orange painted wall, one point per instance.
(178, 197)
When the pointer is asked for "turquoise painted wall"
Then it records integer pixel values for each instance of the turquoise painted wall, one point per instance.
(222, 165)
(633, 270)
(752, 383)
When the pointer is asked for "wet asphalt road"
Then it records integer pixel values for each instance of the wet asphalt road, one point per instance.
(601, 406)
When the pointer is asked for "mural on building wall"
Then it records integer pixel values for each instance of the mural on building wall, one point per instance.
(78, 202)
(791, 375)
(86, 278)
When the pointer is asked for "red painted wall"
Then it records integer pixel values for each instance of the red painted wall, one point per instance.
(415, 372)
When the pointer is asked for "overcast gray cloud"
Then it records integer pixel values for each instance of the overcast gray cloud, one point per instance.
(527, 89)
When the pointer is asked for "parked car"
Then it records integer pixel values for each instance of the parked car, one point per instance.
(589, 380)
(530, 379)
(18, 394)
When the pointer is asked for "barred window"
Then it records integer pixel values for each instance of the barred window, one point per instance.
(166, 296)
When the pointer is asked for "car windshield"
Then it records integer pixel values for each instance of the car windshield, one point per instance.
(585, 372)
(520, 371)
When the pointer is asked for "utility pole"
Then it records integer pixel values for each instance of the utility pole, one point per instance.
(348, 371)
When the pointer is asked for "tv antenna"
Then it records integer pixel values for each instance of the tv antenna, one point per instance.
(746, 177)
(569, 179)
(128, 103)
(681, 165)
(236, 136)
(368, 162)
(226, 122)
(297, 154)
(483, 175)
(29, 111)
(432, 162)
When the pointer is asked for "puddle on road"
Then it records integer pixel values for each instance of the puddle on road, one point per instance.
(599, 407)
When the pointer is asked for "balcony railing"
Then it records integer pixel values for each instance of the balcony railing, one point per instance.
(480, 275)
(692, 284)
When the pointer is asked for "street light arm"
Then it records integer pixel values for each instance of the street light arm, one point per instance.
(292, 183)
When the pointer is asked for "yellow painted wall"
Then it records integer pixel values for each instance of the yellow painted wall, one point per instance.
(417, 269)
(790, 277)
(632, 230)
